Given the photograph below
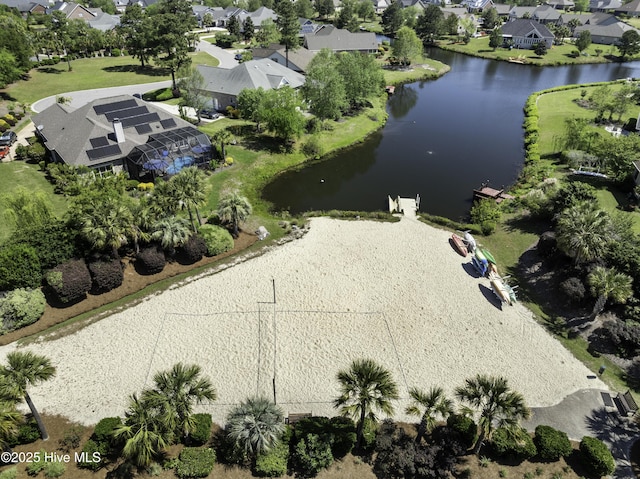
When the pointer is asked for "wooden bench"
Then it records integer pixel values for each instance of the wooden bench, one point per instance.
(294, 417)
(626, 404)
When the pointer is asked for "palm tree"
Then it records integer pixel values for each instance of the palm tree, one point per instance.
(582, 232)
(256, 425)
(234, 208)
(140, 229)
(222, 137)
(428, 406)
(26, 369)
(10, 418)
(107, 225)
(144, 438)
(496, 403)
(366, 387)
(175, 393)
(171, 232)
(608, 284)
(189, 186)
(165, 199)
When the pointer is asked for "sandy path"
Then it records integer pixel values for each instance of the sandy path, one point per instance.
(397, 293)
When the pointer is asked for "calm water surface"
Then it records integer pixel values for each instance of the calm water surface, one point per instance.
(443, 139)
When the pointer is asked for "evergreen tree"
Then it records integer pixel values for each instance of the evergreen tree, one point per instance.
(288, 26)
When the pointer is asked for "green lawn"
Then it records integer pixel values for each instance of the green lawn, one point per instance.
(18, 174)
(426, 68)
(557, 55)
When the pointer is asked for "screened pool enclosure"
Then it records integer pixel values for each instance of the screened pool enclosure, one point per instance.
(166, 153)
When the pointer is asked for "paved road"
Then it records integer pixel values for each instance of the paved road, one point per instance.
(583, 414)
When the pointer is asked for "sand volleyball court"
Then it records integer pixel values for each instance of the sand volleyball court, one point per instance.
(393, 292)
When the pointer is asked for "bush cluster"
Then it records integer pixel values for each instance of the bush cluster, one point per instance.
(193, 249)
(625, 337)
(202, 431)
(69, 282)
(273, 463)
(50, 468)
(101, 442)
(19, 267)
(53, 243)
(195, 462)
(574, 288)
(150, 260)
(463, 428)
(28, 432)
(339, 432)
(518, 444)
(21, 307)
(551, 443)
(106, 274)
(596, 457)
(217, 239)
(312, 148)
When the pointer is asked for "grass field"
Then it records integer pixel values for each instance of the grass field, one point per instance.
(557, 55)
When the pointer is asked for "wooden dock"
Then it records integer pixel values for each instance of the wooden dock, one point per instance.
(486, 192)
(407, 206)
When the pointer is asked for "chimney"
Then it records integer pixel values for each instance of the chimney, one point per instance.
(118, 131)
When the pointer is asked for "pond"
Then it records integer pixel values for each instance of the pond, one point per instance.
(443, 139)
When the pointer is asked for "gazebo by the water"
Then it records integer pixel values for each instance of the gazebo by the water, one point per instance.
(166, 153)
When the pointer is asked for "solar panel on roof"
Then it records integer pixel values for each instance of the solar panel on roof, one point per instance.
(100, 141)
(126, 113)
(117, 105)
(98, 153)
(139, 120)
(168, 123)
(142, 129)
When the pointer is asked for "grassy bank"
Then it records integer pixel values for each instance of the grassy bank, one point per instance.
(556, 55)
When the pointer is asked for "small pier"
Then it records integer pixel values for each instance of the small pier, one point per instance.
(407, 206)
(486, 192)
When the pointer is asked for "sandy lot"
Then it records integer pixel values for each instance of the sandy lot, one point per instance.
(397, 293)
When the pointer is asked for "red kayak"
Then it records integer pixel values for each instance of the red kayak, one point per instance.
(459, 244)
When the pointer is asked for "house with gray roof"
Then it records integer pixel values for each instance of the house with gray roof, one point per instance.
(562, 4)
(94, 17)
(224, 85)
(477, 6)
(607, 6)
(502, 9)
(462, 14)
(338, 40)
(299, 59)
(605, 29)
(111, 134)
(546, 15)
(526, 33)
(258, 16)
(631, 9)
(26, 7)
(521, 12)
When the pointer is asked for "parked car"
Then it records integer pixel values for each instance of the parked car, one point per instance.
(8, 138)
(4, 151)
(207, 113)
(238, 56)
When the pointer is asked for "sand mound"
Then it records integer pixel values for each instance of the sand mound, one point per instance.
(396, 293)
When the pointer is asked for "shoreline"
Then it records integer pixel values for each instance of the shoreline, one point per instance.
(395, 292)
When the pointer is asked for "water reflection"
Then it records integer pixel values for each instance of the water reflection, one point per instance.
(403, 100)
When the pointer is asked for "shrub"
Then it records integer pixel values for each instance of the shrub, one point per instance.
(547, 244)
(37, 465)
(28, 432)
(313, 147)
(551, 443)
(69, 282)
(19, 267)
(103, 433)
(165, 95)
(596, 457)
(193, 249)
(339, 431)
(625, 337)
(488, 227)
(273, 463)
(574, 288)
(217, 239)
(70, 440)
(93, 455)
(10, 119)
(151, 260)
(116, 52)
(106, 275)
(21, 307)
(518, 444)
(10, 473)
(195, 462)
(485, 210)
(53, 243)
(463, 429)
(202, 431)
(225, 41)
(311, 455)
(54, 469)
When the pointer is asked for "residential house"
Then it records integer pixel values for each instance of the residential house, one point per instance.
(631, 9)
(419, 4)
(307, 26)
(143, 3)
(526, 33)
(27, 7)
(521, 12)
(477, 6)
(201, 11)
(565, 5)
(299, 59)
(381, 5)
(337, 40)
(605, 29)
(606, 6)
(462, 14)
(258, 16)
(94, 17)
(502, 9)
(547, 15)
(121, 133)
(224, 85)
